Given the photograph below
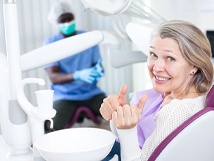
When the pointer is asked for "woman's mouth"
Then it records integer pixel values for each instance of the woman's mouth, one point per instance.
(161, 78)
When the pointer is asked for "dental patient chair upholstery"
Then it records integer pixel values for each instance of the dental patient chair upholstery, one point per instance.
(191, 141)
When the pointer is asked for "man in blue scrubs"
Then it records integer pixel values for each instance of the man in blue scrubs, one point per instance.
(74, 79)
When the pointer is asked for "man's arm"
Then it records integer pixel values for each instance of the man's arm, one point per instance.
(56, 77)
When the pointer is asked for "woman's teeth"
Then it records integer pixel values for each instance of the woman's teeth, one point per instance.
(161, 78)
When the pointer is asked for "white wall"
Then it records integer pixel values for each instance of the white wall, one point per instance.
(199, 12)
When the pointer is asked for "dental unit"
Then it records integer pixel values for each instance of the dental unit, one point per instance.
(16, 112)
(21, 122)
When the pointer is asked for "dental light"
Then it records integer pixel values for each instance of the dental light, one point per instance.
(132, 15)
(133, 8)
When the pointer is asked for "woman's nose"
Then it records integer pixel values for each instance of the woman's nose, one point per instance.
(159, 65)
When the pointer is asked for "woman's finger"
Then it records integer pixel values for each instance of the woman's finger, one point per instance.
(142, 102)
(126, 111)
(114, 101)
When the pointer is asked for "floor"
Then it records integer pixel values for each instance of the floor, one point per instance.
(104, 126)
(88, 123)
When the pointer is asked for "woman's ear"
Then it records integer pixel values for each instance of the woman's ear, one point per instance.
(194, 70)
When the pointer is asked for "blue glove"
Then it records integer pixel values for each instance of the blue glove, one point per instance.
(89, 75)
(99, 69)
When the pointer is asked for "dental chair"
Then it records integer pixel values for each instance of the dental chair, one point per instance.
(83, 111)
(191, 141)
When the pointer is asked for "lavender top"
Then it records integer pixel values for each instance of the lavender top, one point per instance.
(147, 123)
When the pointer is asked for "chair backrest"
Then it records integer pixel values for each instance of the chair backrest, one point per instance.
(191, 141)
(210, 98)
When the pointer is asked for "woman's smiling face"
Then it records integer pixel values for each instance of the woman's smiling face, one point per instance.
(168, 69)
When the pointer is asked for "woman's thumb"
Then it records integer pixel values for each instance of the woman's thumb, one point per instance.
(122, 94)
(142, 102)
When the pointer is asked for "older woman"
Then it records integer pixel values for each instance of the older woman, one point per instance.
(181, 71)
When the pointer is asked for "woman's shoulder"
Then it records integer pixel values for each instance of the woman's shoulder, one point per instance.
(199, 99)
(188, 104)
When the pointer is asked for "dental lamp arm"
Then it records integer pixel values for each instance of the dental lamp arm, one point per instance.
(140, 35)
(119, 58)
(68, 47)
(110, 39)
(122, 58)
(98, 37)
(107, 7)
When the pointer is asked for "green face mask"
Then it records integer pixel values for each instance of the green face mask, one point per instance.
(67, 28)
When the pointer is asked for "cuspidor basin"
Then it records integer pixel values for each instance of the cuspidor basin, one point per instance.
(75, 144)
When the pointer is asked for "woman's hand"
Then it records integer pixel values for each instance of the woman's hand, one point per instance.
(127, 116)
(111, 103)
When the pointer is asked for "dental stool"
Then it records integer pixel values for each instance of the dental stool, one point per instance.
(191, 141)
(83, 111)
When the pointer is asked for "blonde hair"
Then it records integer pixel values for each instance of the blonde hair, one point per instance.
(195, 48)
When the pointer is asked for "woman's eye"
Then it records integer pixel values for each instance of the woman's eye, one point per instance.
(153, 54)
(170, 59)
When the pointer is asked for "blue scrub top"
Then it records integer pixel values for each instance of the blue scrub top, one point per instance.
(77, 89)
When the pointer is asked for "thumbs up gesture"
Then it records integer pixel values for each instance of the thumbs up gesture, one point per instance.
(127, 116)
(115, 107)
(111, 103)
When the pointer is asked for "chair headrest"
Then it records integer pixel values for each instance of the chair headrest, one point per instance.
(210, 98)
